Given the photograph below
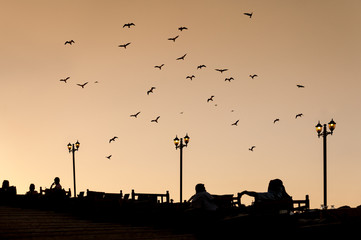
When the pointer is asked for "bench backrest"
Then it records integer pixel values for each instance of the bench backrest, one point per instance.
(151, 197)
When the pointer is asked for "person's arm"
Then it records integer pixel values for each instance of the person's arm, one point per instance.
(249, 193)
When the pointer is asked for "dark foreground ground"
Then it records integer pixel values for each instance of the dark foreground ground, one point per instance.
(74, 219)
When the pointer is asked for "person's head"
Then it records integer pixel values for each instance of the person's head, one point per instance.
(6, 184)
(275, 185)
(32, 187)
(57, 180)
(200, 188)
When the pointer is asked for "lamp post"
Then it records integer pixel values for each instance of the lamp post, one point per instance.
(72, 148)
(322, 131)
(179, 144)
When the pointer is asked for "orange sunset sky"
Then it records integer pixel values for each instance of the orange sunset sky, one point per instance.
(286, 43)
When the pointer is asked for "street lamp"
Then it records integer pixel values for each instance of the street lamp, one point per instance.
(322, 131)
(179, 144)
(72, 148)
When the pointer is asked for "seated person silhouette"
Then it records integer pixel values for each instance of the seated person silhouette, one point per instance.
(202, 200)
(55, 186)
(7, 192)
(56, 190)
(276, 191)
(32, 193)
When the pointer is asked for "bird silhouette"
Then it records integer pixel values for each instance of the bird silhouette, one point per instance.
(251, 149)
(160, 66)
(229, 79)
(128, 25)
(253, 76)
(69, 42)
(64, 79)
(109, 157)
(299, 115)
(82, 85)
(150, 90)
(174, 38)
(190, 77)
(182, 57)
(155, 120)
(135, 115)
(210, 99)
(248, 14)
(201, 66)
(221, 70)
(124, 45)
(235, 123)
(300, 86)
(182, 28)
(112, 139)
(276, 120)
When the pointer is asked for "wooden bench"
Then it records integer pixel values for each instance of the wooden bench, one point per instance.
(114, 195)
(225, 200)
(47, 191)
(94, 195)
(150, 197)
(281, 206)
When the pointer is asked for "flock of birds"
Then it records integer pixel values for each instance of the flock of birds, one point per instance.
(191, 77)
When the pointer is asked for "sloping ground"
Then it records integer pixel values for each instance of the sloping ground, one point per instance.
(20, 223)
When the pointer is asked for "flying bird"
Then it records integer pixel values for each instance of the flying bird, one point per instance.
(109, 157)
(299, 115)
(174, 38)
(128, 25)
(156, 120)
(229, 79)
(160, 66)
(112, 139)
(253, 76)
(135, 115)
(190, 77)
(300, 86)
(69, 42)
(150, 90)
(276, 120)
(235, 123)
(251, 149)
(124, 45)
(182, 57)
(82, 85)
(201, 66)
(248, 14)
(182, 28)
(210, 99)
(64, 79)
(221, 70)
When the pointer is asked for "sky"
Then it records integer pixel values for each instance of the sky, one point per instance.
(286, 43)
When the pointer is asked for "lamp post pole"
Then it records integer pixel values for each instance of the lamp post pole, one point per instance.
(181, 146)
(72, 148)
(322, 131)
(181, 169)
(324, 166)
